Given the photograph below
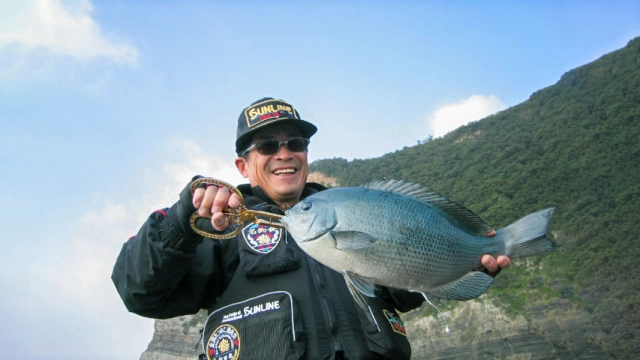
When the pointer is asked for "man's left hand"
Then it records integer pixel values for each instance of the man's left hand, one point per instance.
(493, 265)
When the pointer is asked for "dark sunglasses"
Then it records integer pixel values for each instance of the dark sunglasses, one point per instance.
(270, 147)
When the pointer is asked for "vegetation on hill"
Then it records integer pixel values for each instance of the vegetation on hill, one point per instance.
(574, 146)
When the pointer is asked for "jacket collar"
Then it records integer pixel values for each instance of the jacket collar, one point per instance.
(255, 198)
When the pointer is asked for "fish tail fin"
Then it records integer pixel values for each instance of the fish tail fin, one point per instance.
(528, 236)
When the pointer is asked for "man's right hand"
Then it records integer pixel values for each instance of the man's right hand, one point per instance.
(212, 201)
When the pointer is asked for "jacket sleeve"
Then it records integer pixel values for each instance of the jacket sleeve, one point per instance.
(163, 273)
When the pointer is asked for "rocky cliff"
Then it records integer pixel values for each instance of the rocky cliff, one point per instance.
(176, 339)
(482, 330)
(478, 330)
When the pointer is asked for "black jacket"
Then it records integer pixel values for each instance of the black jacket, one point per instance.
(267, 299)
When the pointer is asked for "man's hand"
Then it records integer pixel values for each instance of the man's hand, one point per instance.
(493, 265)
(211, 200)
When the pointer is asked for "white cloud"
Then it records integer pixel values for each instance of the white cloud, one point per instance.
(66, 300)
(449, 117)
(192, 159)
(64, 29)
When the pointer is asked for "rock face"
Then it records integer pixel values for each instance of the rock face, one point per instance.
(176, 339)
(478, 330)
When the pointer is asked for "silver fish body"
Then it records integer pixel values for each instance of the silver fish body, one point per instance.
(402, 235)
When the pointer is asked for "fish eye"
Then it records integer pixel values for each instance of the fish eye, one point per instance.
(305, 206)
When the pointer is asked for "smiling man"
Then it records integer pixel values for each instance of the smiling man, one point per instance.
(266, 298)
(283, 175)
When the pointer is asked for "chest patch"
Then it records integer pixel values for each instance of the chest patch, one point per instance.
(224, 344)
(262, 238)
(396, 322)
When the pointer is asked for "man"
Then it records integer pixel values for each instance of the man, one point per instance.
(266, 298)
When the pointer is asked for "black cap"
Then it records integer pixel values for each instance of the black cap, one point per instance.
(265, 112)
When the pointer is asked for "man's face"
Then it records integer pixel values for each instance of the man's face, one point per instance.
(283, 175)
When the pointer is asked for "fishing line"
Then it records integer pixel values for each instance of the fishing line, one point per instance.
(440, 312)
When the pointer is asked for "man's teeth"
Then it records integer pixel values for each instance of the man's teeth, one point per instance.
(284, 171)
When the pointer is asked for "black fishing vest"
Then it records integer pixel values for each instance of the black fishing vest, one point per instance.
(282, 304)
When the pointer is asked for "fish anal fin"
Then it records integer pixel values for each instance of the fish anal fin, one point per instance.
(470, 286)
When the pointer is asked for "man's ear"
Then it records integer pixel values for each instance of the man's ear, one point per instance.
(241, 164)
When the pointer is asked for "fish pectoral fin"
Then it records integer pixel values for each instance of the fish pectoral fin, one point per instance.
(352, 240)
(467, 287)
(359, 286)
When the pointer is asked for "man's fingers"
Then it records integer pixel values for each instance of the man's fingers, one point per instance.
(503, 261)
(234, 201)
(212, 201)
(221, 200)
(198, 195)
(219, 221)
(207, 201)
(490, 263)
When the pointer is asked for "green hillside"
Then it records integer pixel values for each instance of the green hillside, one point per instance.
(574, 146)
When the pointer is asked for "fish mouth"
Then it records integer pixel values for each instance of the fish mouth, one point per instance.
(305, 229)
(301, 227)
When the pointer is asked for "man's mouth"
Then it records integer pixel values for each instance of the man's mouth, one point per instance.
(284, 171)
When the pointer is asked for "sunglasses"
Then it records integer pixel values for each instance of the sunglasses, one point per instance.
(270, 147)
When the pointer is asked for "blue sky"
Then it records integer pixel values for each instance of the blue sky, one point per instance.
(107, 108)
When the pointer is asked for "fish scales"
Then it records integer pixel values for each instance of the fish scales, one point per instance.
(402, 235)
(418, 245)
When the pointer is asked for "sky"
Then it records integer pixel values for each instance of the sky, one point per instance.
(108, 108)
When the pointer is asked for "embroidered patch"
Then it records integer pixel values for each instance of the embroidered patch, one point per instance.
(396, 322)
(268, 111)
(224, 344)
(262, 238)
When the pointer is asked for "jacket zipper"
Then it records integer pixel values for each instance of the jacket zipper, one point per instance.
(324, 298)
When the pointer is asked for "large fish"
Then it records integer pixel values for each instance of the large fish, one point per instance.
(403, 235)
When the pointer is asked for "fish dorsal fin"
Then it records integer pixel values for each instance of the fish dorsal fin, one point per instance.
(460, 215)
(352, 240)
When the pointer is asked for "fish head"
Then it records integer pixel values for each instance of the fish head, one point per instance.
(309, 219)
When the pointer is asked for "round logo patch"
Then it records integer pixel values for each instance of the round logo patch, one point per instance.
(224, 344)
(262, 238)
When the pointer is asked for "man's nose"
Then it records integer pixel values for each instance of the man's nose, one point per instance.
(283, 151)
